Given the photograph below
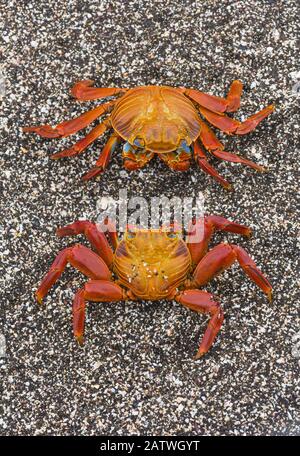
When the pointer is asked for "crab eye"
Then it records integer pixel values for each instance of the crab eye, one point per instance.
(184, 147)
(171, 235)
(127, 147)
(139, 142)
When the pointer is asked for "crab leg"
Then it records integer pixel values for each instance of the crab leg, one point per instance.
(230, 103)
(203, 302)
(215, 147)
(204, 228)
(112, 232)
(232, 126)
(81, 258)
(201, 159)
(222, 155)
(96, 237)
(104, 157)
(234, 96)
(222, 257)
(83, 91)
(69, 127)
(94, 290)
(83, 143)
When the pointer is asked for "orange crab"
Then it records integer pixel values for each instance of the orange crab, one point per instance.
(152, 265)
(157, 120)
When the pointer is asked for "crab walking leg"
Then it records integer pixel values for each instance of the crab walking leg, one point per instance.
(96, 237)
(81, 258)
(222, 155)
(84, 91)
(209, 101)
(222, 257)
(69, 127)
(234, 96)
(83, 143)
(203, 302)
(233, 126)
(200, 233)
(112, 232)
(208, 138)
(94, 290)
(104, 157)
(230, 103)
(201, 160)
(215, 147)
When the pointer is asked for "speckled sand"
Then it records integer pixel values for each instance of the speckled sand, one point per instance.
(135, 374)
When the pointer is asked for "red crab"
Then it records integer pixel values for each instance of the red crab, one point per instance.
(152, 265)
(157, 120)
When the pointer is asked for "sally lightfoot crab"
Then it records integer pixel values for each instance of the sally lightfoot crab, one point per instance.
(157, 120)
(152, 265)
